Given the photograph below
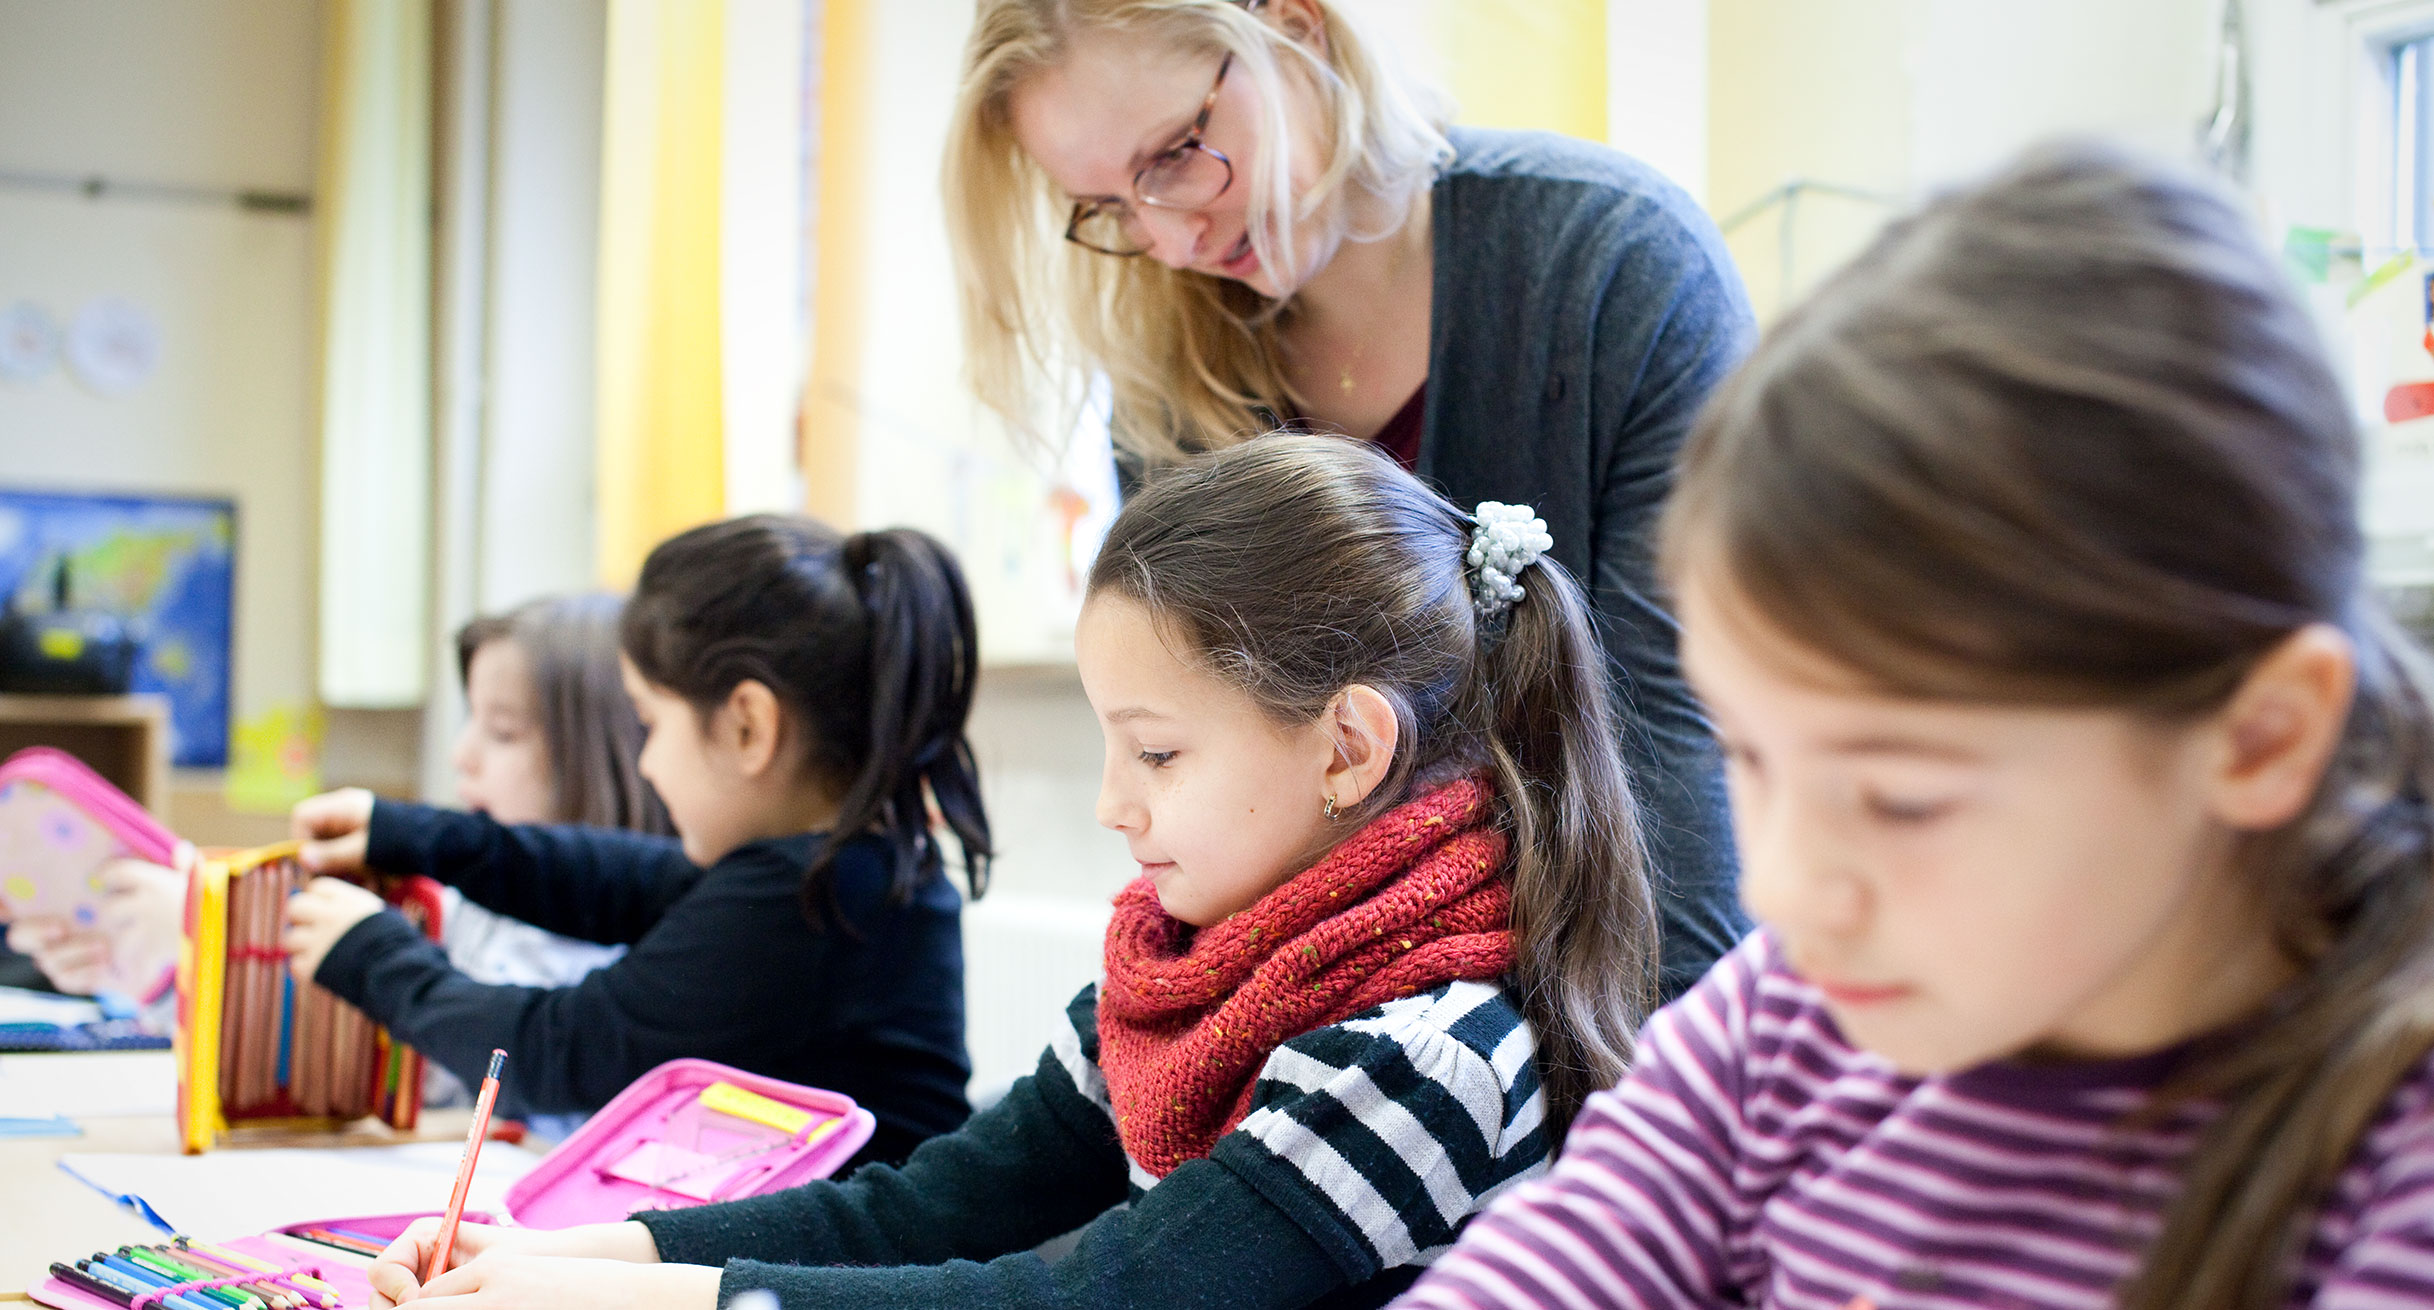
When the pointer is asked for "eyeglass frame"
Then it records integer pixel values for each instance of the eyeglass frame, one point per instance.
(1192, 140)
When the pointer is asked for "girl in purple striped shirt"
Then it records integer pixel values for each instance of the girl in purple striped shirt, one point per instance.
(2082, 789)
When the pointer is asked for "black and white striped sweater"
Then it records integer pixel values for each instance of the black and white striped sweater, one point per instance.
(1368, 1146)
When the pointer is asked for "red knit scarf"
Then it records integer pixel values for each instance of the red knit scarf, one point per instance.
(1412, 901)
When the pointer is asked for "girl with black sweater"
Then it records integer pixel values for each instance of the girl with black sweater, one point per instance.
(1393, 925)
(803, 692)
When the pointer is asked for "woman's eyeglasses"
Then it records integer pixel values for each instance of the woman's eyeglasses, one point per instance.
(1186, 176)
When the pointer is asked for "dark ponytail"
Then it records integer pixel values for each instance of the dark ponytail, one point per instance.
(1584, 917)
(1298, 566)
(924, 660)
(868, 641)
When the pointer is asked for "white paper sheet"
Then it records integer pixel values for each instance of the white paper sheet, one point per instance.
(236, 1193)
(88, 1084)
(17, 1005)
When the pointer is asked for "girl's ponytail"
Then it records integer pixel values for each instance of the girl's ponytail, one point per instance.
(1584, 925)
(868, 641)
(924, 661)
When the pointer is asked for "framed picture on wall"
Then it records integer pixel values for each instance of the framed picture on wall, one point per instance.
(168, 563)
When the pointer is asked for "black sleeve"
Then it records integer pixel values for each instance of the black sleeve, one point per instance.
(956, 1226)
(597, 884)
(1039, 1163)
(1650, 390)
(1203, 1237)
(726, 975)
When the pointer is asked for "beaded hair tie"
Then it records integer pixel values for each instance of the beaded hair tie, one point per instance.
(1505, 539)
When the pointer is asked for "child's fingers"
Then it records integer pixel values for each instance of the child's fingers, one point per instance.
(396, 1274)
(391, 1285)
(128, 876)
(330, 814)
(78, 965)
(342, 854)
(463, 1280)
(33, 936)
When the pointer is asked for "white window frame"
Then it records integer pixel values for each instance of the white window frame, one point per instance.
(2322, 105)
(2373, 31)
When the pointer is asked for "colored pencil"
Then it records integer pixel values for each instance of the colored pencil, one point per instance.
(313, 1289)
(464, 1169)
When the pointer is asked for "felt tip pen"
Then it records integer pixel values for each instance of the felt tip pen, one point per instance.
(89, 1285)
(188, 1271)
(144, 1281)
(177, 1273)
(313, 1290)
(136, 1279)
(259, 1283)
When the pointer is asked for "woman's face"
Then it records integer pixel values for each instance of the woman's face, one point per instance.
(502, 758)
(1118, 101)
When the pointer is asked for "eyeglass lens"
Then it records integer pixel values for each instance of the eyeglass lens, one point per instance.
(1188, 178)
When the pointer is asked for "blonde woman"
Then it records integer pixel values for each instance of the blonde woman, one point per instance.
(1242, 215)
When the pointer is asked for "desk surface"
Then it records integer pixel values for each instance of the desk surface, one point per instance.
(46, 1215)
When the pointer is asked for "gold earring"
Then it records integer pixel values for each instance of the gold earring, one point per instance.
(1330, 807)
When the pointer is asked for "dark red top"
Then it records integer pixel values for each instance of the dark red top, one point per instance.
(1401, 435)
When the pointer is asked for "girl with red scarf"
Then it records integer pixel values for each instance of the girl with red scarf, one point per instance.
(1392, 926)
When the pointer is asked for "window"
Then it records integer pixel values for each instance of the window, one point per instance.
(2412, 82)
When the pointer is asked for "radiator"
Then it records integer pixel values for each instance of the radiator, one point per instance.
(1023, 959)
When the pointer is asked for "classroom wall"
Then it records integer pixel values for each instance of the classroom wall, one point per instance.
(1897, 97)
(1818, 90)
(543, 229)
(214, 94)
(1656, 86)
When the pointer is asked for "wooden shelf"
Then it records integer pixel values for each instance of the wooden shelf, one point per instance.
(123, 738)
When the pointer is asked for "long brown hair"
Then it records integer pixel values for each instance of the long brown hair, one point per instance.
(867, 641)
(1293, 567)
(589, 727)
(2067, 438)
(1192, 361)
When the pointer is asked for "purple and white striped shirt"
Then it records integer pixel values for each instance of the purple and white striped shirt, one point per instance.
(1755, 1158)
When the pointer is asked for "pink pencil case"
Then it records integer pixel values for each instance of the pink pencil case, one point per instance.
(659, 1145)
(60, 822)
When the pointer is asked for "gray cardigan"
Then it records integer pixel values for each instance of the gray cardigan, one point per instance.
(1583, 309)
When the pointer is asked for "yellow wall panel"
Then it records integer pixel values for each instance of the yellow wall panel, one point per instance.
(662, 433)
(832, 420)
(1525, 63)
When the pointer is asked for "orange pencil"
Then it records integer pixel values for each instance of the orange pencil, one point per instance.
(464, 1169)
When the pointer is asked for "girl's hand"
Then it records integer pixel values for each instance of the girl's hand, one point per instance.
(396, 1275)
(143, 906)
(318, 916)
(502, 1281)
(333, 827)
(129, 947)
(75, 959)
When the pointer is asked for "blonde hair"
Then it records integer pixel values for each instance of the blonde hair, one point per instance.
(1192, 361)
